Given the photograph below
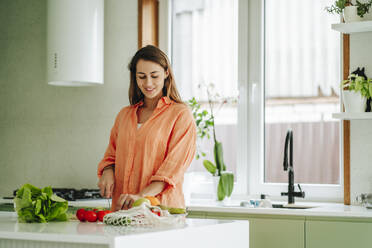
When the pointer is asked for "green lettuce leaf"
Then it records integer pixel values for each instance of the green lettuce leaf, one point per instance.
(39, 205)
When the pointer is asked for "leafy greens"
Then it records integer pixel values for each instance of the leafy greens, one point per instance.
(39, 205)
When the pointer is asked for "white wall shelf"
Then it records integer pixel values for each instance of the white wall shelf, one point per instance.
(353, 27)
(353, 116)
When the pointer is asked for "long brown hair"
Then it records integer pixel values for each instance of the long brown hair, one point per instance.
(154, 54)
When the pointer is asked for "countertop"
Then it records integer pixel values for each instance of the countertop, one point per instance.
(99, 233)
(320, 209)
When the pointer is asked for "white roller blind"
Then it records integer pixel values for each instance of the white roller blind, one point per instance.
(204, 46)
(302, 52)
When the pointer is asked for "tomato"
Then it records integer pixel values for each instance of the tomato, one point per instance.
(156, 212)
(102, 214)
(90, 216)
(95, 210)
(80, 214)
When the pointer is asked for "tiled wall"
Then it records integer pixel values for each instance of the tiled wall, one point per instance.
(56, 135)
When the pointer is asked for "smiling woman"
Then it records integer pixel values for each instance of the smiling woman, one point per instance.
(152, 141)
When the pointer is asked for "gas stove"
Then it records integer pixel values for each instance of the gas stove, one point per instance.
(71, 194)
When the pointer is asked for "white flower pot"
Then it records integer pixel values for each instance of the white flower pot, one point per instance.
(216, 180)
(350, 14)
(354, 102)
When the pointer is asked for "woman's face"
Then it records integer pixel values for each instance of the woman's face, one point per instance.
(150, 78)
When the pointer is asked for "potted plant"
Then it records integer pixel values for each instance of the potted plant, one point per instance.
(351, 12)
(205, 121)
(363, 9)
(356, 90)
(338, 7)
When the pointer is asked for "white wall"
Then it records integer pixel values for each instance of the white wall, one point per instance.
(361, 131)
(56, 135)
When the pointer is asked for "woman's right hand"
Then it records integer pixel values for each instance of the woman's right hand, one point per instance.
(106, 182)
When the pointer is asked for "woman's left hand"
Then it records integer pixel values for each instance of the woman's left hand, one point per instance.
(126, 201)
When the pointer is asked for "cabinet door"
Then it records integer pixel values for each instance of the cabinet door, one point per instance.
(275, 233)
(338, 234)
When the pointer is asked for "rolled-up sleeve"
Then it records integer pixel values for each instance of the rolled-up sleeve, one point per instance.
(180, 151)
(110, 154)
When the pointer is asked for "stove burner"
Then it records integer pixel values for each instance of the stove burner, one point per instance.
(74, 194)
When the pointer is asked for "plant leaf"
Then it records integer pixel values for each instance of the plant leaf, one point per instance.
(48, 191)
(38, 206)
(57, 209)
(209, 166)
(218, 156)
(220, 191)
(227, 179)
(57, 198)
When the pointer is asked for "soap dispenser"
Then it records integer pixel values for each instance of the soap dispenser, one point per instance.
(265, 203)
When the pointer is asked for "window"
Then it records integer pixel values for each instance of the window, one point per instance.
(298, 88)
(302, 75)
(283, 61)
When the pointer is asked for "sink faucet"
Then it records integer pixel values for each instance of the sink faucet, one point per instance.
(288, 165)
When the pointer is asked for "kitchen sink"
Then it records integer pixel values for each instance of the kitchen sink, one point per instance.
(292, 206)
(253, 203)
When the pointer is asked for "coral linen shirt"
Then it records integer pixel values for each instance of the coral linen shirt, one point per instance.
(160, 150)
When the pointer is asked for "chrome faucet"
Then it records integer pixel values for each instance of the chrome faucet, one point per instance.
(288, 165)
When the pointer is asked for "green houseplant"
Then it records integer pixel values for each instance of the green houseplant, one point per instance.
(356, 90)
(363, 8)
(205, 122)
(352, 12)
(358, 84)
(338, 6)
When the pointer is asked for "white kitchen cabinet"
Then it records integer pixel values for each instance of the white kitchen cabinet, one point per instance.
(273, 233)
(340, 234)
(266, 231)
(328, 226)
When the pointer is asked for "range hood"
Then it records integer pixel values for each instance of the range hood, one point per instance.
(75, 42)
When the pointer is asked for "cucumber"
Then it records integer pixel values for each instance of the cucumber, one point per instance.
(177, 210)
(163, 207)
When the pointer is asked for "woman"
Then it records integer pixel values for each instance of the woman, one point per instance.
(152, 141)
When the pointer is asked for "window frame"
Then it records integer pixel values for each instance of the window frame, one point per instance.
(314, 192)
(250, 160)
